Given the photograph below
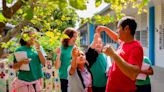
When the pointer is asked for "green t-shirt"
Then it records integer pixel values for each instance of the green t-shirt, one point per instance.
(98, 70)
(147, 81)
(65, 58)
(35, 72)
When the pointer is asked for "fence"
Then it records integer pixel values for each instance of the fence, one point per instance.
(50, 83)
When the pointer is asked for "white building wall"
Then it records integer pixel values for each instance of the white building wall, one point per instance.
(159, 54)
(142, 24)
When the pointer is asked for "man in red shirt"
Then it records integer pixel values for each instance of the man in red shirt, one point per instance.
(127, 59)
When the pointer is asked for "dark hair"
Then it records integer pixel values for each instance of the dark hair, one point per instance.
(70, 32)
(27, 31)
(130, 22)
(22, 42)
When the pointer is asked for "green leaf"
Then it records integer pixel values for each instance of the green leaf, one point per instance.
(98, 3)
(4, 45)
(28, 14)
(2, 18)
(63, 4)
(10, 1)
(78, 4)
(108, 1)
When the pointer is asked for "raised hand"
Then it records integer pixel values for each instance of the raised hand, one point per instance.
(99, 29)
(75, 52)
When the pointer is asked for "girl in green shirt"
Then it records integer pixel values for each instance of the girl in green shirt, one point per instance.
(64, 55)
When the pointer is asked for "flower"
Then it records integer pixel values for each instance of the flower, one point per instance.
(47, 75)
(2, 75)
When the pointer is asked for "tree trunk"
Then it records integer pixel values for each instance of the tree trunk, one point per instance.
(8, 12)
(1, 52)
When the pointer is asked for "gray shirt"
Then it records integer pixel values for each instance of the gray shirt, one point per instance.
(74, 82)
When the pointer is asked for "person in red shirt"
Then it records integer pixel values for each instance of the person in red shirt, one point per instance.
(127, 59)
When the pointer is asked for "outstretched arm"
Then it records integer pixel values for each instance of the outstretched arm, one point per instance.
(113, 35)
(131, 69)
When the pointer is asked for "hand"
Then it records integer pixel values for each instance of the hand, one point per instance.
(96, 35)
(96, 38)
(75, 52)
(74, 63)
(26, 61)
(99, 29)
(109, 50)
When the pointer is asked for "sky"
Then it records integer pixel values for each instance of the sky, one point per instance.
(91, 9)
(0, 4)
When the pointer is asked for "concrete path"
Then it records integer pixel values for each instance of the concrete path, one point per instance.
(157, 80)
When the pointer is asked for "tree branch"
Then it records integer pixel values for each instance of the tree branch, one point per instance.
(8, 12)
(15, 31)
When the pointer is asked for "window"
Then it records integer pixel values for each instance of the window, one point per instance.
(142, 32)
(144, 38)
(161, 38)
(137, 35)
(109, 40)
(84, 39)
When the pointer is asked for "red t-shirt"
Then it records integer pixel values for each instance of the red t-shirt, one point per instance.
(132, 53)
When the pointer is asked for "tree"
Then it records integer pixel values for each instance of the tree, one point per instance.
(117, 6)
(45, 16)
(38, 14)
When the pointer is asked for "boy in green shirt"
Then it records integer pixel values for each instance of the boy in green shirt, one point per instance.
(145, 85)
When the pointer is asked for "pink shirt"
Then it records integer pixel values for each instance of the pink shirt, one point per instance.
(132, 53)
(87, 78)
(23, 86)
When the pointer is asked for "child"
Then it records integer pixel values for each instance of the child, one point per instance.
(29, 81)
(145, 85)
(79, 77)
(97, 64)
(63, 58)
